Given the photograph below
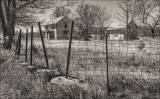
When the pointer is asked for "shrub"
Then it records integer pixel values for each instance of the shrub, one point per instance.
(141, 46)
(35, 49)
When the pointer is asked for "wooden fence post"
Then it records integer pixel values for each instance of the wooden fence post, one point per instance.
(69, 50)
(31, 45)
(44, 49)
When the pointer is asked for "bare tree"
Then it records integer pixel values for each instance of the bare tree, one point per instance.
(103, 20)
(61, 11)
(128, 11)
(13, 11)
(123, 15)
(149, 14)
(145, 7)
(87, 18)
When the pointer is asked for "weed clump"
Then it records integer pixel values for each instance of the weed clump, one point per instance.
(141, 46)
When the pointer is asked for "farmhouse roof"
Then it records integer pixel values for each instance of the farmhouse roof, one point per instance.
(54, 20)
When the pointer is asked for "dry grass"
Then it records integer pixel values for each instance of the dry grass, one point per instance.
(131, 76)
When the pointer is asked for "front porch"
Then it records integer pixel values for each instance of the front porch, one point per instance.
(50, 34)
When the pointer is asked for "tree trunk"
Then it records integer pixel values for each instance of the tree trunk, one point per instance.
(8, 25)
(9, 16)
(127, 21)
(14, 20)
(4, 27)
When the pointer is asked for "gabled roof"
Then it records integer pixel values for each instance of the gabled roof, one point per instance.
(54, 20)
(57, 19)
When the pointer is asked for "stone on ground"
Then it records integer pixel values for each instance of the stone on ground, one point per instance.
(64, 81)
(31, 68)
(24, 64)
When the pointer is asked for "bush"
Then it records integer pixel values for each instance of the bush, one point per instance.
(141, 46)
(35, 49)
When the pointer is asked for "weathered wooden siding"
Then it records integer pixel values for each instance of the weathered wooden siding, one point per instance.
(61, 27)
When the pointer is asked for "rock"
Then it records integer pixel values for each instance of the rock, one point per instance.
(31, 68)
(24, 64)
(64, 81)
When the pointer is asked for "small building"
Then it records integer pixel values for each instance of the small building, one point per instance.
(58, 28)
(116, 34)
(123, 33)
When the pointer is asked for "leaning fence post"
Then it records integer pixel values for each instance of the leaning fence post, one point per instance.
(107, 65)
(44, 49)
(69, 49)
(19, 45)
(31, 45)
(26, 46)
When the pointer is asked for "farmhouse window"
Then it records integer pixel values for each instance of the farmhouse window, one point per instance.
(65, 24)
(116, 35)
(53, 26)
(46, 27)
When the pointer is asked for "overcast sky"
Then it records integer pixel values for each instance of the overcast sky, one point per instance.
(110, 4)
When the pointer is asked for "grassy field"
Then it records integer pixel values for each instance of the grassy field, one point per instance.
(133, 74)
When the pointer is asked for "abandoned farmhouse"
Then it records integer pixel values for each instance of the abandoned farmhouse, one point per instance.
(58, 28)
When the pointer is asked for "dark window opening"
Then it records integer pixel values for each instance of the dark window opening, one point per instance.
(46, 27)
(65, 35)
(65, 24)
(116, 35)
(53, 27)
(50, 26)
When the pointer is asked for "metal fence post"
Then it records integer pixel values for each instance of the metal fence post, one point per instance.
(19, 45)
(44, 49)
(26, 46)
(107, 65)
(31, 45)
(69, 49)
